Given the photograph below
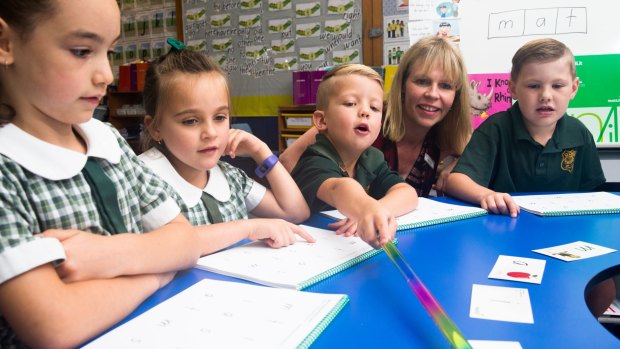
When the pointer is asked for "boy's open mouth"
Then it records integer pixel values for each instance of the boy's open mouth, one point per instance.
(545, 108)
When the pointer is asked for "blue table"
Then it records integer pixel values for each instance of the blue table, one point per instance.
(449, 258)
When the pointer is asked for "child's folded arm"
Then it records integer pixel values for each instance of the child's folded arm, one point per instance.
(80, 310)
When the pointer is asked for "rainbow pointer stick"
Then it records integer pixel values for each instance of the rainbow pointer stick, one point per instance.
(445, 324)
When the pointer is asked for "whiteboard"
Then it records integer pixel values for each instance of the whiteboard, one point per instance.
(492, 31)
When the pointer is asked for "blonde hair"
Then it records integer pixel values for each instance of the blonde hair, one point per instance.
(158, 80)
(327, 84)
(541, 51)
(453, 132)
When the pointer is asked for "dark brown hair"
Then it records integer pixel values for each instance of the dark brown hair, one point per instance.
(22, 16)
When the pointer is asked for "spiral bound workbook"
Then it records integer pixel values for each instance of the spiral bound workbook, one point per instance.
(428, 212)
(224, 314)
(569, 204)
(296, 266)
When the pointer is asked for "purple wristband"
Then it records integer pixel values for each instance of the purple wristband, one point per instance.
(264, 168)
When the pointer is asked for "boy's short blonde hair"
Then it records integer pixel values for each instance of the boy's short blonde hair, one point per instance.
(327, 84)
(541, 51)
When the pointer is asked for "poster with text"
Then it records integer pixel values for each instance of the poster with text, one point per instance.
(488, 94)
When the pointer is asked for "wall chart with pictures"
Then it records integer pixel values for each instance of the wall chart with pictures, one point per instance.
(259, 43)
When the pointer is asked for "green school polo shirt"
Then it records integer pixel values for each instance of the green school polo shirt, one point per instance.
(321, 162)
(503, 157)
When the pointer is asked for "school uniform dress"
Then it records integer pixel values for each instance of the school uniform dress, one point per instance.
(234, 192)
(503, 157)
(43, 186)
(321, 161)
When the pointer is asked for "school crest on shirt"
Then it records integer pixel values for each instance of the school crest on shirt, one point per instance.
(568, 160)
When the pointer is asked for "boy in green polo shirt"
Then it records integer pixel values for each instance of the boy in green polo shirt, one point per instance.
(342, 170)
(534, 146)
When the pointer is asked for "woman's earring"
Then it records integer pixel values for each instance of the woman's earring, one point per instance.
(158, 141)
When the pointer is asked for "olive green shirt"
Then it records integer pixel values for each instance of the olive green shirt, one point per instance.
(503, 157)
(321, 162)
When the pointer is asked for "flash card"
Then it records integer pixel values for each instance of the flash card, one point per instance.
(575, 251)
(518, 269)
(501, 304)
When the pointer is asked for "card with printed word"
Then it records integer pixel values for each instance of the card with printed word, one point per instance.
(501, 304)
(518, 269)
(575, 251)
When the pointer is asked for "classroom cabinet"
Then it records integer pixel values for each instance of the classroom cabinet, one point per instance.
(293, 121)
(126, 113)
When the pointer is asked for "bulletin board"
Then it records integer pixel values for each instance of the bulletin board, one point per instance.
(489, 32)
(260, 42)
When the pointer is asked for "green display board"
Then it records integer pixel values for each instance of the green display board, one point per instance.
(598, 99)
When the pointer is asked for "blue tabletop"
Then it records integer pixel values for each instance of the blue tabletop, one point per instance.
(449, 258)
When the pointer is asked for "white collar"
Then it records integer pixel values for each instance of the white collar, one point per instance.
(53, 162)
(217, 186)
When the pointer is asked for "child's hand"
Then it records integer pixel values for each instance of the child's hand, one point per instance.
(500, 203)
(242, 143)
(377, 226)
(84, 255)
(346, 226)
(277, 232)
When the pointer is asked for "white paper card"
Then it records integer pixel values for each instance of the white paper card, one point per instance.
(575, 251)
(501, 304)
(480, 344)
(518, 269)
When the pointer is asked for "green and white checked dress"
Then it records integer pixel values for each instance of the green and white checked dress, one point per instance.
(236, 193)
(42, 187)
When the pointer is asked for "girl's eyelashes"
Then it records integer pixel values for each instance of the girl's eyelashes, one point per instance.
(81, 52)
(189, 122)
(221, 117)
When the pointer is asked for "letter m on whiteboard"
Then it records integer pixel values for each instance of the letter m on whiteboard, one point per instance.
(541, 21)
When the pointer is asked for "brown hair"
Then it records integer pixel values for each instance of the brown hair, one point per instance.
(453, 132)
(22, 16)
(542, 51)
(327, 84)
(157, 82)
